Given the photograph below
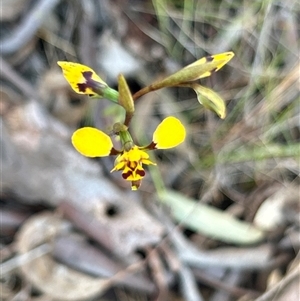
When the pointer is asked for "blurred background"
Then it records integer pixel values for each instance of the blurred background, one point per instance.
(216, 220)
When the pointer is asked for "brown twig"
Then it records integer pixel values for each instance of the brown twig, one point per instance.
(159, 274)
(141, 92)
(91, 260)
(271, 294)
(237, 292)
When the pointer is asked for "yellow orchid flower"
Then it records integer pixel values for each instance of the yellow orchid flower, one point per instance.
(92, 142)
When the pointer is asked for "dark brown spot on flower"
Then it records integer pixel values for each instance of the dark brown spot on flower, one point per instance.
(140, 172)
(209, 58)
(152, 145)
(89, 83)
(126, 175)
(214, 70)
(87, 75)
(114, 152)
(82, 87)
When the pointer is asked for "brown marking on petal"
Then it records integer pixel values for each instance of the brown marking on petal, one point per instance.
(88, 78)
(209, 58)
(126, 175)
(114, 152)
(87, 75)
(152, 145)
(89, 83)
(82, 87)
(214, 70)
(140, 172)
(94, 85)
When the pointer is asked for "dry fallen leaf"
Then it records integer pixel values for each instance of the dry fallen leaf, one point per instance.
(54, 279)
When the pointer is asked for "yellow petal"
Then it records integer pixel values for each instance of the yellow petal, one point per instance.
(82, 79)
(169, 133)
(91, 142)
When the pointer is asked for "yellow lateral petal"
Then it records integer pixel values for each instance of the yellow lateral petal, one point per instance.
(81, 78)
(169, 133)
(91, 142)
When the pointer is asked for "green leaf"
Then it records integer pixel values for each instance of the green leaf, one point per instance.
(210, 221)
(210, 100)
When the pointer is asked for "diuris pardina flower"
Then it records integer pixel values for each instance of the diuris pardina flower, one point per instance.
(92, 142)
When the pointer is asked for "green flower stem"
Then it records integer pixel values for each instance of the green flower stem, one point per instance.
(126, 140)
(110, 94)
